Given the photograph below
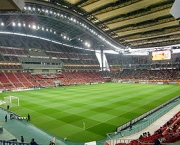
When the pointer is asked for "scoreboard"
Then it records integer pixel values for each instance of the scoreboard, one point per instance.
(161, 55)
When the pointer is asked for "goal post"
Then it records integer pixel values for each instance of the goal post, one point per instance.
(11, 101)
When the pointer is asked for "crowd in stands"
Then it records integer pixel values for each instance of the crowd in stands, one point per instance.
(149, 75)
(167, 133)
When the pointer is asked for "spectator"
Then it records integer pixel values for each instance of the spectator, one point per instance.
(33, 142)
(51, 143)
(6, 118)
(140, 137)
(7, 107)
(11, 115)
(157, 141)
(28, 117)
(130, 125)
(22, 139)
(54, 140)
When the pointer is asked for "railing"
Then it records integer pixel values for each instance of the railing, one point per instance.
(40, 66)
(129, 142)
(13, 142)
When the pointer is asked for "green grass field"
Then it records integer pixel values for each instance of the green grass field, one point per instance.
(103, 107)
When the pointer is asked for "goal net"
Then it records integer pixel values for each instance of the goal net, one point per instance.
(11, 101)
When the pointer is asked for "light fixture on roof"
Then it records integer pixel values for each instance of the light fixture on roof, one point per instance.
(34, 26)
(87, 44)
(13, 23)
(25, 8)
(47, 29)
(2, 24)
(19, 24)
(29, 8)
(43, 28)
(24, 25)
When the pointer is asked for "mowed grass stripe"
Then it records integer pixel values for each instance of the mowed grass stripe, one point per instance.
(103, 107)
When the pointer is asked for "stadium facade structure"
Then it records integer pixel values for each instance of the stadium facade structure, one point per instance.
(31, 57)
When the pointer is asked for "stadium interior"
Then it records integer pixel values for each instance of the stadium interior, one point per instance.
(55, 43)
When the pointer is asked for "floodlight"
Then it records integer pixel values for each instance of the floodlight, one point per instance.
(24, 24)
(43, 28)
(13, 23)
(87, 44)
(2, 24)
(19, 24)
(34, 26)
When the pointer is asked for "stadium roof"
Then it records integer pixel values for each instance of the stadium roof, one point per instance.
(96, 24)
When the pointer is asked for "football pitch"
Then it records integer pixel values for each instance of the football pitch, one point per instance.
(87, 112)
